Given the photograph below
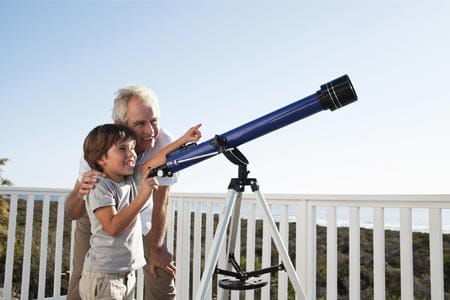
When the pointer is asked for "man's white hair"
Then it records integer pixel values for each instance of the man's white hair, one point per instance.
(146, 95)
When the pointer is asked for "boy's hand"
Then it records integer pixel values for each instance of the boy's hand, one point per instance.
(192, 135)
(149, 184)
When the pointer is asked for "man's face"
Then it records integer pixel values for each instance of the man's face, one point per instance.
(144, 124)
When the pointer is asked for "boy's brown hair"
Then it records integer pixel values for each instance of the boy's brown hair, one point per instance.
(101, 139)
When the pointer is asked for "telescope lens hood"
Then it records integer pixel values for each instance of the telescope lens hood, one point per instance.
(336, 93)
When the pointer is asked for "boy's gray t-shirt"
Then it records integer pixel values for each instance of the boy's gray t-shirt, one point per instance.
(110, 254)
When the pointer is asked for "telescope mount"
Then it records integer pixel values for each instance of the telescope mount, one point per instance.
(239, 279)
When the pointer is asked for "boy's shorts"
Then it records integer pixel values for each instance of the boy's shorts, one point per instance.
(112, 286)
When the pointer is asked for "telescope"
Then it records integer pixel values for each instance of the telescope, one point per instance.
(332, 95)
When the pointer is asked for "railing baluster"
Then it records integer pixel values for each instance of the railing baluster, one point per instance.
(209, 238)
(44, 246)
(222, 261)
(179, 246)
(354, 254)
(197, 255)
(332, 262)
(27, 248)
(406, 257)
(170, 224)
(300, 242)
(9, 264)
(378, 254)
(250, 247)
(311, 253)
(72, 244)
(284, 234)
(237, 255)
(436, 254)
(58, 248)
(186, 246)
(266, 258)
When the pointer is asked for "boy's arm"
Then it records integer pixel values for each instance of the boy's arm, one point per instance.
(192, 135)
(114, 222)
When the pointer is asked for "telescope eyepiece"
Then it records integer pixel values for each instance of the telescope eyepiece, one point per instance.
(336, 93)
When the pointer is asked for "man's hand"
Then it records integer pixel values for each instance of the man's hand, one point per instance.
(88, 182)
(161, 258)
(75, 204)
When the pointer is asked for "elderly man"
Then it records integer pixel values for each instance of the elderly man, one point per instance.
(135, 107)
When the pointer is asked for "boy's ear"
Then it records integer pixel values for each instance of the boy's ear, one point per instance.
(102, 161)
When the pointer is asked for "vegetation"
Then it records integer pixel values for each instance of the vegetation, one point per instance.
(3, 181)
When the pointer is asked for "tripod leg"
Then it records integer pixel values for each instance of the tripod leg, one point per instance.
(284, 255)
(232, 236)
(213, 256)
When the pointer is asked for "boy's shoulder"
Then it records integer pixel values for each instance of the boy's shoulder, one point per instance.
(105, 182)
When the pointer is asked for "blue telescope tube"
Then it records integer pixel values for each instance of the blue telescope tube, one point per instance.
(332, 95)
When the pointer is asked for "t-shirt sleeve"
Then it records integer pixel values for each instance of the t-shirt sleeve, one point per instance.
(102, 195)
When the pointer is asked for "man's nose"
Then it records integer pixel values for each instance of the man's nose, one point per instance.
(149, 128)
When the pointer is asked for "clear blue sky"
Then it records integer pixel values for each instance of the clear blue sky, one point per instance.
(224, 63)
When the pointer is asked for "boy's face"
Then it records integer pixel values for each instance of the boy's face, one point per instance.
(144, 123)
(120, 160)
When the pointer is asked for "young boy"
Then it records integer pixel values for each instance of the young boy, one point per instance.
(113, 207)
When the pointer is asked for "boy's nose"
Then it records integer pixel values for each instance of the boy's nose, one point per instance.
(131, 152)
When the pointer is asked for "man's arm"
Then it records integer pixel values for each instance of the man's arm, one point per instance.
(159, 256)
(74, 206)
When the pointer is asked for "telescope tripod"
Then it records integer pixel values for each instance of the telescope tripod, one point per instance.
(243, 280)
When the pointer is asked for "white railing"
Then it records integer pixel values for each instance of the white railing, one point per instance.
(191, 225)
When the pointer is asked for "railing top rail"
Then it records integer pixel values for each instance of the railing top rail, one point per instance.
(329, 197)
(320, 199)
(18, 190)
